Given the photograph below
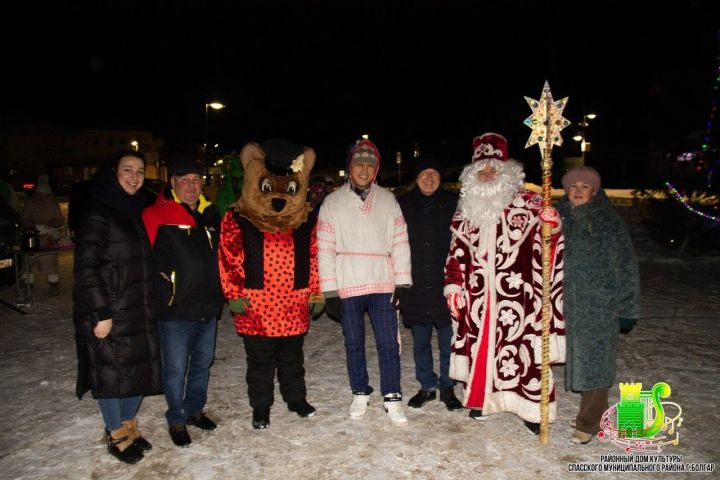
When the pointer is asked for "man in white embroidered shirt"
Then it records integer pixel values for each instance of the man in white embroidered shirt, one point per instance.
(364, 263)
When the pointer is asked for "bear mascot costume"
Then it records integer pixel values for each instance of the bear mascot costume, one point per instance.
(269, 272)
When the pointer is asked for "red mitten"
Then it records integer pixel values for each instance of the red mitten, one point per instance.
(455, 302)
(550, 216)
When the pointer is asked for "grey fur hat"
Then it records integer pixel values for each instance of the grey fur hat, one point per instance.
(582, 174)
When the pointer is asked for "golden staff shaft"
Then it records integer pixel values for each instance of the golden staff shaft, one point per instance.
(546, 152)
(546, 307)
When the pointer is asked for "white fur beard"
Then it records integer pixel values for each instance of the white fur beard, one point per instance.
(482, 203)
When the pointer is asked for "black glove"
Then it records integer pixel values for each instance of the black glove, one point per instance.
(400, 296)
(333, 308)
(627, 324)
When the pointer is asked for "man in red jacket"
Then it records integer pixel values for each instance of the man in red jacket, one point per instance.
(184, 228)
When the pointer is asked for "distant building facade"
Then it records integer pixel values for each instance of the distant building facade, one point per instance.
(27, 150)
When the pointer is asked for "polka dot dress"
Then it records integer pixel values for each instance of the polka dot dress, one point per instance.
(277, 310)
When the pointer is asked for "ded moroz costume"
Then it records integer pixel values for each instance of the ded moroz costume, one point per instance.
(494, 287)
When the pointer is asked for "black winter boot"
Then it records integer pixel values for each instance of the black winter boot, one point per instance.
(138, 441)
(261, 418)
(421, 398)
(447, 396)
(120, 446)
(302, 408)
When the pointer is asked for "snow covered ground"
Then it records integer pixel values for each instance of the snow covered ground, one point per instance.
(47, 433)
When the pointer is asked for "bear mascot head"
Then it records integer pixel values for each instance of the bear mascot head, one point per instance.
(275, 186)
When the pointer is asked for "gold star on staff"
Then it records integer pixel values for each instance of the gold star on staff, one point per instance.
(546, 120)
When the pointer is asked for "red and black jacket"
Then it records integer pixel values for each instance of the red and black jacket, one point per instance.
(185, 246)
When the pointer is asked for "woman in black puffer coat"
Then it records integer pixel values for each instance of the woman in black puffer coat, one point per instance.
(114, 312)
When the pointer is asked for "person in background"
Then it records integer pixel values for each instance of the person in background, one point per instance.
(602, 293)
(317, 192)
(9, 225)
(493, 286)
(42, 213)
(118, 347)
(184, 229)
(364, 260)
(428, 210)
(7, 192)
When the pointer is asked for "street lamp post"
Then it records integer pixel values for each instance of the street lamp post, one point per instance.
(398, 160)
(206, 150)
(581, 136)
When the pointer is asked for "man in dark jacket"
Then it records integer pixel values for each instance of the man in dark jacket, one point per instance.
(428, 210)
(183, 228)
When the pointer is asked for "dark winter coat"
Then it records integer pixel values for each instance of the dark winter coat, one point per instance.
(428, 222)
(113, 272)
(602, 284)
(185, 248)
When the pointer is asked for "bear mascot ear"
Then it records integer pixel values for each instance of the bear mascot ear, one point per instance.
(251, 151)
(309, 160)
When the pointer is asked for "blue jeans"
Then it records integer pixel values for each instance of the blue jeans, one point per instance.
(188, 349)
(116, 410)
(422, 352)
(385, 325)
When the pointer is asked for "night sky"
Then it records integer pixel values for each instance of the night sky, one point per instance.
(323, 72)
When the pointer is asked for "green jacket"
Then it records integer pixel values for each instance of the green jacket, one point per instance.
(601, 284)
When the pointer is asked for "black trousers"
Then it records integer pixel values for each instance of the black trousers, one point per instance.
(267, 354)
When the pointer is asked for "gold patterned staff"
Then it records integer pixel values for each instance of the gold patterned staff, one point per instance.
(546, 122)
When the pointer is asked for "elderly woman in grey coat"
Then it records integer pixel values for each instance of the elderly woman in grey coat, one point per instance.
(601, 293)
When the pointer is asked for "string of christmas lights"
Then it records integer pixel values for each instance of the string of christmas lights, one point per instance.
(681, 198)
(708, 148)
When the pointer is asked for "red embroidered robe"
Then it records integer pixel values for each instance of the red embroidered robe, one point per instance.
(496, 352)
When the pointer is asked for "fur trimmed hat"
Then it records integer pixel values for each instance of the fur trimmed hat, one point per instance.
(583, 174)
(490, 146)
(185, 166)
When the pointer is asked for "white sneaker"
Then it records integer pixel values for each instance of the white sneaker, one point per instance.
(359, 405)
(395, 412)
